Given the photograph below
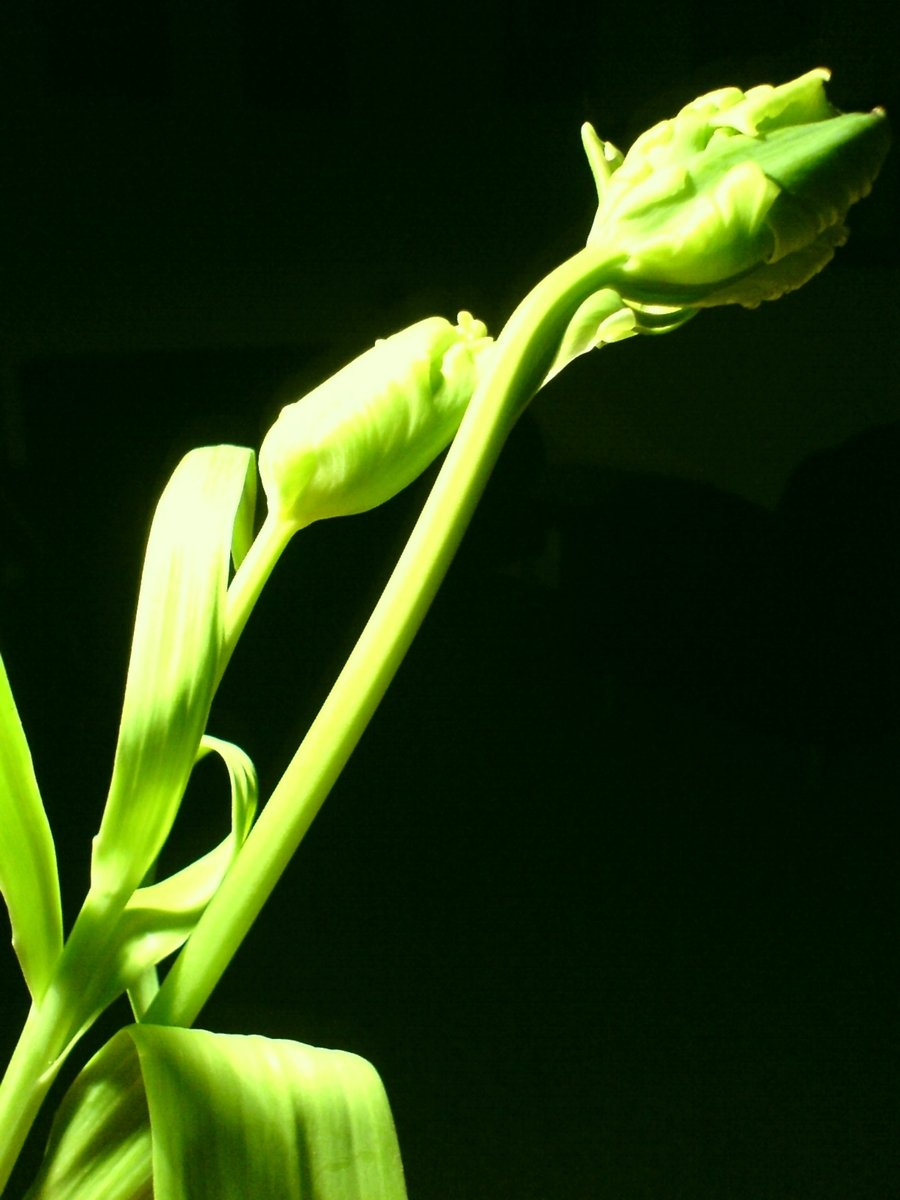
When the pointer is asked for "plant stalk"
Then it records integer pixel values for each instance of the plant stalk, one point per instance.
(34, 1065)
(518, 367)
(249, 580)
(522, 356)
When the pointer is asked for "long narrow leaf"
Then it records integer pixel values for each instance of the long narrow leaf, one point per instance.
(175, 651)
(182, 1114)
(28, 875)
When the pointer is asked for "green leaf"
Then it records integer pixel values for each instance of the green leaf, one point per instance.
(183, 1114)
(117, 951)
(175, 655)
(28, 875)
(601, 319)
(161, 916)
(99, 1144)
(176, 660)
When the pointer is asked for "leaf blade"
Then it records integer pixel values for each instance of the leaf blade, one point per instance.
(173, 669)
(273, 1118)
(29, 880)
(276, 1118)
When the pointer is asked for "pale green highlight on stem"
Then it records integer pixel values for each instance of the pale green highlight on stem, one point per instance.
(249, 580)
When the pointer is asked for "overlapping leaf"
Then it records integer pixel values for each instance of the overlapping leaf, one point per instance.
(203, 518)
(202, 514)
(181, 1114)
(160, 916)
(114, 951)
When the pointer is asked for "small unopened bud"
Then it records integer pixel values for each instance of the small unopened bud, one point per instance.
(361, 436)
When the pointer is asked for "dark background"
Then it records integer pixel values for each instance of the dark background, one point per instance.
(608, 892)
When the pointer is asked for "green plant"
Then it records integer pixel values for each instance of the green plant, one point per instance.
(738, 199)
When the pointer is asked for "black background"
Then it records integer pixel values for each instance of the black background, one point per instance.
(608, 892)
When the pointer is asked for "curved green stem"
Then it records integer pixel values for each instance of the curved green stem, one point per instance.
(518, 366)
(249, 580)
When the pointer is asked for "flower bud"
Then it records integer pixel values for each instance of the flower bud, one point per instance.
(739, 198)
(361, 436)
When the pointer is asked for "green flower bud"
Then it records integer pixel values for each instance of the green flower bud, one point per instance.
(361, 436)
(739, 198)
